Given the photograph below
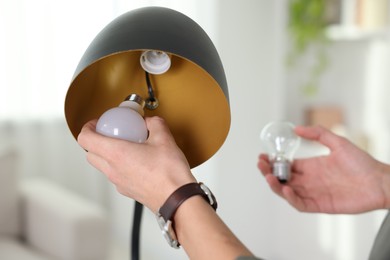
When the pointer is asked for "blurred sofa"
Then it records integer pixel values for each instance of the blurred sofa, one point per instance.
(40, 220)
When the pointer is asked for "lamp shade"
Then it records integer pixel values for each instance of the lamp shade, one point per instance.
(192, 93)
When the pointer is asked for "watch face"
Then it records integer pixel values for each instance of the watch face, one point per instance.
(167, 231)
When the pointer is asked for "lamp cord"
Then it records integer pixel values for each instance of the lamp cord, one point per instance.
(149, 84)
(135, 233)
(151, 101)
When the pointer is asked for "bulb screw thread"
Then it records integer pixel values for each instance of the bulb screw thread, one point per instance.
(137, 99)
(281, 169)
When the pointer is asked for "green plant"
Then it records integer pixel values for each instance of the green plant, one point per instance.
(307, 25)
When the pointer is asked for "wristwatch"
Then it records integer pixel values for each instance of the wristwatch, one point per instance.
(167, 211)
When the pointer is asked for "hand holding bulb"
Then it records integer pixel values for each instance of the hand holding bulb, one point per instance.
(280, 142)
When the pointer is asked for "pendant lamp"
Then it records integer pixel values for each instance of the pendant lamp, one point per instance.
(188, 89)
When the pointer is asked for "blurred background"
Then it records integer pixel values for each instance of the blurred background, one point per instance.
(305, 61)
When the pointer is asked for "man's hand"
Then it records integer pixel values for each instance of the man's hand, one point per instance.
(148, 172)
(348, 180)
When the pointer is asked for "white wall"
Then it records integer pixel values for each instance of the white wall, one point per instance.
(252, 49)
(252, 43)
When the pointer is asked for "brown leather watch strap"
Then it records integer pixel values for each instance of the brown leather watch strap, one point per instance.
(186, 191)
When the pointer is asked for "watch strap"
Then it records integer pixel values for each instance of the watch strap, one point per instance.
(186, 191)
(167, 211)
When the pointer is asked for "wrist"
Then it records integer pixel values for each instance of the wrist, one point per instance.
(160, 193)
(166, 214)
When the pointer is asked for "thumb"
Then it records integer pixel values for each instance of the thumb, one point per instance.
(321, 135)
(158, 130)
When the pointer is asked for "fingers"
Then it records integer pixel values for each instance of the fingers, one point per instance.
(86, 139)
(158, 130)
(264, 156)
(274, 184)
(293, 199)
(96, 143)
(320, 134)
(264, 165)
(282, 190)
(105, 146)
(98, 162)
(287, 192)
(88, 136)
(300, 166)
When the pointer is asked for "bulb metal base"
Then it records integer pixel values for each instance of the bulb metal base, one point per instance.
(136, 98)
(281, 169)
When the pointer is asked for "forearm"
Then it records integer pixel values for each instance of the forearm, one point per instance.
(203, 234)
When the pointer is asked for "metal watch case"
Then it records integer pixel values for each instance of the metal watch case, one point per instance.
(167, 231)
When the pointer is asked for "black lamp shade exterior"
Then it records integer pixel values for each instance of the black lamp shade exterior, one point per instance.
(193, 94)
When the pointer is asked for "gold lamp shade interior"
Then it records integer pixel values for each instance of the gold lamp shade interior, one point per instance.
(191, 99)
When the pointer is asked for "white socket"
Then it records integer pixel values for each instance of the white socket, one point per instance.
(155, 62)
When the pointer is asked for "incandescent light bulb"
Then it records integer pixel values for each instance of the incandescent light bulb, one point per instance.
(280, 142)
(125, 121)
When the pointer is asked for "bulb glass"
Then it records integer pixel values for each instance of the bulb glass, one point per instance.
(281, 143)
(123, 122)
